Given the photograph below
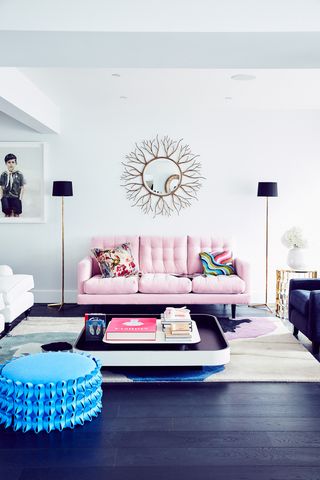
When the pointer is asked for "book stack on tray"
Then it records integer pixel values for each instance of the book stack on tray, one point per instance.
(178, 331)
(131, 329)
(177, 324)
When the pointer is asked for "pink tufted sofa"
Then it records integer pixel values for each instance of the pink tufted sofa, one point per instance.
(164, 263)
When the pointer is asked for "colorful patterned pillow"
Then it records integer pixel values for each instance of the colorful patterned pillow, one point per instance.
(116, 262)
(217, 263)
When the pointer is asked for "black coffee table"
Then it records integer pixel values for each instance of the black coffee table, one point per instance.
(212, 350)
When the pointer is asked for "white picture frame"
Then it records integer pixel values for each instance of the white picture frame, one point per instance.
(31, 164)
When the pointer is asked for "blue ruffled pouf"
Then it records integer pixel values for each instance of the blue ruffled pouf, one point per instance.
(50, 391)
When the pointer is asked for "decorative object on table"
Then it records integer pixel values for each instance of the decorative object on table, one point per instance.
(304, 309)
(266, 189)
(22, 182)
(127, 329)
(95, 324)
(217, 263)
(177, 322)
(162, 176)
(115, 262)
(177, 314)
(50, 391)
(61, 189)
(283, 278)
(296, 242)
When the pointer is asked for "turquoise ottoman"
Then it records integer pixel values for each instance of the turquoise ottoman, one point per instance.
(50, 391)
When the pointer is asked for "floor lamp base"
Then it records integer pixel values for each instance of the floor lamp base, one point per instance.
(56, 305)
(263, 306)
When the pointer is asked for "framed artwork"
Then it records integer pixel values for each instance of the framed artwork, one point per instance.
(22, 182)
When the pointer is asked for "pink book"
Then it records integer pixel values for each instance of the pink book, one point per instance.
(132, 329)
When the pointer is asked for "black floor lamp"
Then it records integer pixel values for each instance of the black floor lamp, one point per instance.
(266, 189)
(61, 189)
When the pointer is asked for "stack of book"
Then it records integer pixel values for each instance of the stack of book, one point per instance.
(131, 329)
(177, 331)
(177, 324)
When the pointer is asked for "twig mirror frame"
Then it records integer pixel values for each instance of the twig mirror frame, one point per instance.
(140, 194)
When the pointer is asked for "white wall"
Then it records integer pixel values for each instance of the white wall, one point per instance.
(236, 148)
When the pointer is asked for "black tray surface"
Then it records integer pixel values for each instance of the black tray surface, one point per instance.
(211, 335)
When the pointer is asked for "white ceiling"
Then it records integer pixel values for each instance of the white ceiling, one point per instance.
(161, 15)
(180, 88)
(173, 49)
(160, 33)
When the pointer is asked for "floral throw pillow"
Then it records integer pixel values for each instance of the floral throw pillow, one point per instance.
(116, 262)
(217, 263)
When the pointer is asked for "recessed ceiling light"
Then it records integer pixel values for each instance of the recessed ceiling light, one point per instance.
(243, 77)
(123, 97)
(115, 75)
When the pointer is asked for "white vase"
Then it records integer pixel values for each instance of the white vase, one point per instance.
(297, 258)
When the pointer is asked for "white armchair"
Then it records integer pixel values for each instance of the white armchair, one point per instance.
(1, 316)
(15, 295)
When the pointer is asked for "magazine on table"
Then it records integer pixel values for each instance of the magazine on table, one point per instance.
(131, 329)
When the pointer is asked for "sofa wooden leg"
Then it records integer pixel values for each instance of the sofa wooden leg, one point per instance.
(233, 311)
(295, 331)
(315, 348)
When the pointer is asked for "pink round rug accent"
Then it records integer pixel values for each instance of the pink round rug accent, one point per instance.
(250, 327)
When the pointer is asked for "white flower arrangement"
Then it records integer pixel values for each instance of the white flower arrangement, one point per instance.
(293, 238)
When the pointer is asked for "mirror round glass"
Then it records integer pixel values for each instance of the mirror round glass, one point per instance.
(161, 176)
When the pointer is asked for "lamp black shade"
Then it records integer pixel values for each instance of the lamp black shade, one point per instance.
(62, 189)
(267, 189)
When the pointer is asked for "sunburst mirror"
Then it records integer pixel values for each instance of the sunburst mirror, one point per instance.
(161, 176)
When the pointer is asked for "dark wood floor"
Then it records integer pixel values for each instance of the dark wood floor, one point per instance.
(235, 431)
(219, 431)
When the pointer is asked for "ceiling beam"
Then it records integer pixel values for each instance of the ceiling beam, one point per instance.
(23, 101)
(160, 50)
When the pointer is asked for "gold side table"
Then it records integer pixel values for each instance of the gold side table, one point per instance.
(282, 287)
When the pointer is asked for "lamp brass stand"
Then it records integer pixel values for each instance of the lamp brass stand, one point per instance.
(265, 304)
(60, 305)
(61, 189)
(266, 189)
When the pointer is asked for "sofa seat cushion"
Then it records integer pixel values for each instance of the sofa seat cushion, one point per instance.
(13, 286)
(163, 283)
(299, 299)
(220, 284)
(117, 285)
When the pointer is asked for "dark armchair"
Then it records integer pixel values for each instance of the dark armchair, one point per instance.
(304, 309)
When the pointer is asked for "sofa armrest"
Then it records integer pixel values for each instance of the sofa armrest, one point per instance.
(84, 272)
(5, 271)
(314, 316)
(304, 284)
(243, 271)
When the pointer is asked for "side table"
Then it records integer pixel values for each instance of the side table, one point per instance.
(282, 287)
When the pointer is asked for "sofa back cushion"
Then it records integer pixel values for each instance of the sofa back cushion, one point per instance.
(163, 255)
(115, 241)
(203, 244)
